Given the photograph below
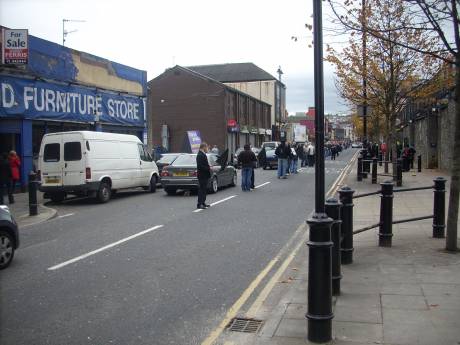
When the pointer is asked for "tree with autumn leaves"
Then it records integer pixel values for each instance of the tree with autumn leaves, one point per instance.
(408, 45)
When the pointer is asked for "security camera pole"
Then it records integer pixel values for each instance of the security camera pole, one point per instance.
(319, 313)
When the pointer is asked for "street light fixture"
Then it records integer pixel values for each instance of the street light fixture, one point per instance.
(65, 32)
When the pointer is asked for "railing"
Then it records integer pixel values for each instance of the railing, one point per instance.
(342, 215)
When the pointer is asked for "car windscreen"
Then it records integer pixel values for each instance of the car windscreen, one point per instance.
(270, 153)
(185, 160)
(167, 159)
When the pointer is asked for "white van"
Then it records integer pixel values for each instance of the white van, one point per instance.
(94, 164)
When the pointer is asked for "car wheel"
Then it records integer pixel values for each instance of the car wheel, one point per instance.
(265, 167)
(57, 197)
(153, 184)
(214, 185)
(170, 191)
(104, 193)
(234, 180)
(6, 249)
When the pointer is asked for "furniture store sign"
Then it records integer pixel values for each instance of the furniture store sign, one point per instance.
(15, 47)
(34, 99)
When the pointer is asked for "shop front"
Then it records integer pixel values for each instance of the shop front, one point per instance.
(30, 108)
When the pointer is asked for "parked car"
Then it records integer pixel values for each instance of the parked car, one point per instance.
(270, 144)
(93, 164)
(256, 151)
(9, 237)
(271, 161)
(357, 145)
(166, 159)
(182, 174)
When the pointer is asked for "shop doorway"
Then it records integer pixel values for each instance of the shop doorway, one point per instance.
(9, 141)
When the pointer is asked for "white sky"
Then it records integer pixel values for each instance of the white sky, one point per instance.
(155, 35)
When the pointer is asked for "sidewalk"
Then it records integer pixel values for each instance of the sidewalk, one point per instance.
(20, 210)
(406, 294)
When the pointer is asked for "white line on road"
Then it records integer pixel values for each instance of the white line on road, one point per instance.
(263, 184)
(216, 203)
(66, 215)
(84, 256)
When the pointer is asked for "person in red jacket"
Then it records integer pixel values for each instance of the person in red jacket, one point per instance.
(15, 165)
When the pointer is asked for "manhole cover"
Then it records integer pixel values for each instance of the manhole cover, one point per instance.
(238, 324)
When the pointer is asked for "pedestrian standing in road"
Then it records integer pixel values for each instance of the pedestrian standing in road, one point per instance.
(333, 152)
(15, 165)
(294, 158)
(215, 149)
(311, 155)
(247, 159)
(282, 152)
(203, 174)
(5, 179)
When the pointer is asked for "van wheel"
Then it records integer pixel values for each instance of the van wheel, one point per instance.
(6, 249)
(57, 197)
(170, 191)
(153, 184)
(104, 193)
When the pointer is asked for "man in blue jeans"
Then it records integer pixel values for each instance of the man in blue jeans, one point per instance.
(282, 152)
(247, 159)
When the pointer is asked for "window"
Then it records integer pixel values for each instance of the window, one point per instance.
(72, 151)
(141, 152)
(51, 153)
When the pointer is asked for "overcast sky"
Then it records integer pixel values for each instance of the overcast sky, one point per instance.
(155, 35)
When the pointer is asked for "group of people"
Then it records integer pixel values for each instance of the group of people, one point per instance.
(10, 165)
(289, 155)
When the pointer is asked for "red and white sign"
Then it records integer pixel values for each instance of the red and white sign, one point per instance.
(15, 46)
(231, 123)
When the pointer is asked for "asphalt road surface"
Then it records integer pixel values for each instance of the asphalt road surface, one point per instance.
(145, 268)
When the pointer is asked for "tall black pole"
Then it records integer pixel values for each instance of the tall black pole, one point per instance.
(319, 313)
(363, 18)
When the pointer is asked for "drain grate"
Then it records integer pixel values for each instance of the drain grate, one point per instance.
(238, 324)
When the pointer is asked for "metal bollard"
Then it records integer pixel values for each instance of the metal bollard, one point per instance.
(333, 211)
(386, 214)
(380, 158)
(33, 205)
(439, 207)
(399, 172)
(319, 313)
(419, 163)
(374, 170)
(360, 168)
(346, 198)
(385, 167)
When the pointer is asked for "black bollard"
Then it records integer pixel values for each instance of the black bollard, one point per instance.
(319, 313)
(419, 163)
(399, 172)
(360, 168)
(333, 212)
(439, 207)
(374, 170)
(386, 214)
(385, 167)
(33, 206)
(346, 198)
(380, 158)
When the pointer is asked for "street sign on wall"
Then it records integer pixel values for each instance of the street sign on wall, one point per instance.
(15, 47)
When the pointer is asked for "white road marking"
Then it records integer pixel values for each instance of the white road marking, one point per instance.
(66, 215)
(84, 256)
(261, 185)
(216, 203)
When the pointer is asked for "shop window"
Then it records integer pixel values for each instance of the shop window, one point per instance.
(51, 153)
(72, 151)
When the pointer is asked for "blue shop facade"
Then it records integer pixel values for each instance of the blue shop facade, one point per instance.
(58, 90)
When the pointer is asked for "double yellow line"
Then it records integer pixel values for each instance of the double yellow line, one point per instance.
(235, 308)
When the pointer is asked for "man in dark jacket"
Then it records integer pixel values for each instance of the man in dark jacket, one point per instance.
(282, 152)
(204, 174)
(247, 159)
(5, 179)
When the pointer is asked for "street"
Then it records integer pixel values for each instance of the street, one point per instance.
(146, 268)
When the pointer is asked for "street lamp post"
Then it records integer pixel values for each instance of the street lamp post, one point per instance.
(319, 313)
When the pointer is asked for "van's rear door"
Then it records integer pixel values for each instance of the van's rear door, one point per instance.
(51, 161)
(74, 161)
